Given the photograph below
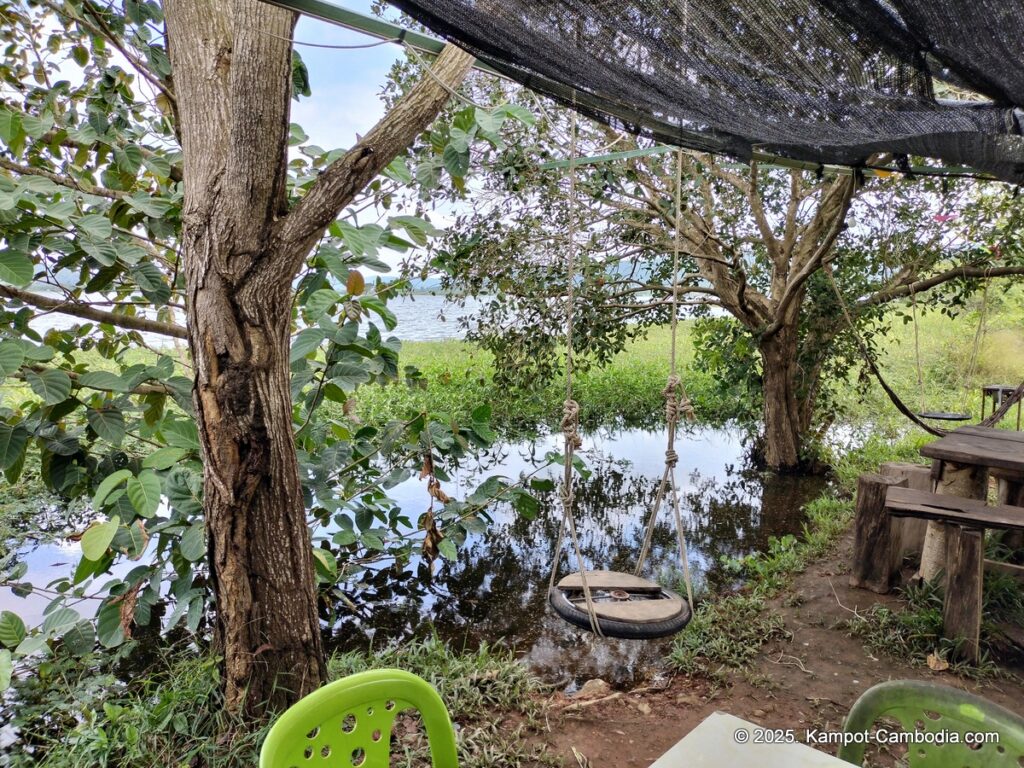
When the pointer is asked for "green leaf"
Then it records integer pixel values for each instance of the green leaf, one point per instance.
(164, 458)
(181, 433)
(95, 226)
(104, 380)
(489, 122)
(80, 639)
(59, 620)
(52, 385)
(15, 268)
(305, 342)
(6, 669)
(150, 280)
(11, 357)
(108, 625)
(522, 114)
(12, 444)
(319, 302)
(30, 645)
(130, 539)
(155, 207)
(456, 162)
(482, 414)
(193, 543)
(398, 170)
(144, 492)
(349, 376)
(97, 537)
(326, 565)
(184, 491)
(12, 629)
(108, 423)
(110, 482)
(447, 549)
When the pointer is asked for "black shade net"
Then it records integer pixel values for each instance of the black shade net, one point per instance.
(825, 82)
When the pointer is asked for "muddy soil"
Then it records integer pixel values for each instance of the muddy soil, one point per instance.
(809, 681)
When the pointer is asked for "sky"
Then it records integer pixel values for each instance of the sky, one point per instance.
(346, 83)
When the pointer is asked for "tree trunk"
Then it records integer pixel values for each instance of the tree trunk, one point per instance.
(241, 250)
(784, 430)
(232, 72)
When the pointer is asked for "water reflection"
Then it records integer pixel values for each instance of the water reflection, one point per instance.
(496, 589)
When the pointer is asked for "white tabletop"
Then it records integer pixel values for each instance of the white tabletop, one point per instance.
(714, 744)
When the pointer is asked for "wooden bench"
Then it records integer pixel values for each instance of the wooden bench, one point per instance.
(881, 501)
(966, 521)
(907, 502)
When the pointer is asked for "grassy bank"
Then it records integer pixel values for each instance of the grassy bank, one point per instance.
(458, 375)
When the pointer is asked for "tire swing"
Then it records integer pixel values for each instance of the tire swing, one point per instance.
(612, 603)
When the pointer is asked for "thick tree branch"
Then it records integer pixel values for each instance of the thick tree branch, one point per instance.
(834, 206)
(899, 291)
(91, 313)
(346, 177)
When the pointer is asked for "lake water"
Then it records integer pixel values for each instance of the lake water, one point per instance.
(421, 317)
(496, 591)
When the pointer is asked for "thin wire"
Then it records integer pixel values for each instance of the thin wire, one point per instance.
(423, 63)
(335, 47)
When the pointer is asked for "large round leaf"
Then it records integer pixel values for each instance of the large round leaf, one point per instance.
(193, 543)
(110, 482)
(12, 629)
(12, 444)
(52, 385)
(97, 537)
(108, 423)
(11, 357)
(144, 493)
(15, 268)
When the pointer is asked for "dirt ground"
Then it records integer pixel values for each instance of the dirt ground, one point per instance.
(808, 681)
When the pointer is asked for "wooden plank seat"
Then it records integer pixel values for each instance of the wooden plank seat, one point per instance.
(972, 513)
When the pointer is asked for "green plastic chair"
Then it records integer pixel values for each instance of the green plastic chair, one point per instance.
(939, 709)
(347, 724)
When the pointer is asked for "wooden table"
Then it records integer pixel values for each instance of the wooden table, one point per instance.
(961, 464)
(714, 744)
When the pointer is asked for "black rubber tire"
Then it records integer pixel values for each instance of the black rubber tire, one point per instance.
(621, 629)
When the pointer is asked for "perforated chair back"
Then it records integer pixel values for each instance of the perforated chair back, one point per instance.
(940, 711)
(347, 724)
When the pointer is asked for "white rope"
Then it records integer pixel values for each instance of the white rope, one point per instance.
(675, 406)
(570, 408)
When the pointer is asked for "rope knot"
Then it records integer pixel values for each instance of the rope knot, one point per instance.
(571, 423)
(671, 458)
(674, 405)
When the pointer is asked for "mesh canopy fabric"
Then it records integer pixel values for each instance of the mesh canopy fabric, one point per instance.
(826, 81)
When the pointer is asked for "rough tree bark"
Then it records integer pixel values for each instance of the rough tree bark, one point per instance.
(242, 248)
(784, 430)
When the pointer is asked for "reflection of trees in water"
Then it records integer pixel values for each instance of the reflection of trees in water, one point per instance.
(496, 589)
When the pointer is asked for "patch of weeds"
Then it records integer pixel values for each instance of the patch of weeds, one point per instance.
(915, 633)
(78, 713)
(725, 635)
(493, 699)
(771, 571)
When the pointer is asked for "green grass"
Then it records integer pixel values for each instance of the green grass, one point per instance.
(171, 714)
(458, 376)
(952, 374)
